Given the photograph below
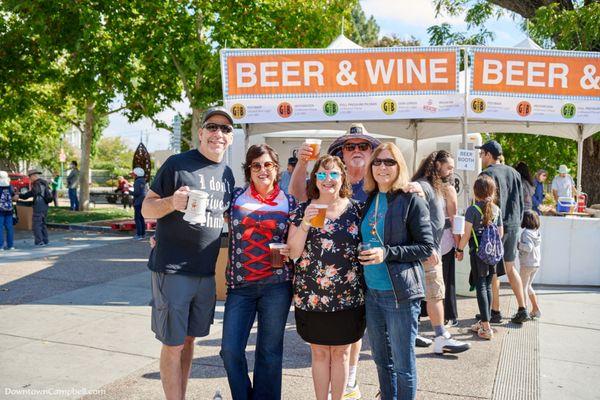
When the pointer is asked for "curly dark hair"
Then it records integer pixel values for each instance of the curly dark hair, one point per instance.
(328, 162)
(428, 169)
(255, 151)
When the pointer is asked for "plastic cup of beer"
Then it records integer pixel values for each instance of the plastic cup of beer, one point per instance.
(315, 145)
(276, 256)
(318, 221)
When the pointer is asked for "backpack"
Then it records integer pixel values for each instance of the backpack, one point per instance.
(490, 250)
(5, 200)
(47, 195)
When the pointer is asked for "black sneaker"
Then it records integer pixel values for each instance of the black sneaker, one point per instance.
(520, 317)
(496, 317)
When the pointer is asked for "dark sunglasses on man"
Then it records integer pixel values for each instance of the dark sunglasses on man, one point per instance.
(361, 146)
(212, 127)
(388, 162)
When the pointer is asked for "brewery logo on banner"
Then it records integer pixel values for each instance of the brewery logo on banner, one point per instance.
(330, 108)
(238, 111)
(389, 106)
(568, 111)
(524, 108)
(478, 105)
(285, 110)
(429, 107)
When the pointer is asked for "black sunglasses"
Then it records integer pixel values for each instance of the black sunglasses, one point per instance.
(389, 162)
(361, 146)
(212, 128)
(256, 166)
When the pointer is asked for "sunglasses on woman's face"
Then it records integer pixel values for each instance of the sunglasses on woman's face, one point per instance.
(389, 162)
(257, 167)
(212, 128)
(333, 175)
(361, 146)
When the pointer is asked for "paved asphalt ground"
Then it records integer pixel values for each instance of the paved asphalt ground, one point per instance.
(75, 318)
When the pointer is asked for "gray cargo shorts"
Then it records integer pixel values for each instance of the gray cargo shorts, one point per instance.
(182, 305)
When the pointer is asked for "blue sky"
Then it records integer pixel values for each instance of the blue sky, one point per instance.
(402, 17)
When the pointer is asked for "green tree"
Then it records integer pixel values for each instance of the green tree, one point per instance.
(556, 24)
(365, 32)
(113, 154)
(179, 45)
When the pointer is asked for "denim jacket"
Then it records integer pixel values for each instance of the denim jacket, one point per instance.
(407, 240)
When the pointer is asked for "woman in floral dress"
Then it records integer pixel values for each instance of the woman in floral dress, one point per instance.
(328, 285)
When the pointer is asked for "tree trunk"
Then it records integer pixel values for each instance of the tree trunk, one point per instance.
(590, 183)
(196, 125)
(86, 149)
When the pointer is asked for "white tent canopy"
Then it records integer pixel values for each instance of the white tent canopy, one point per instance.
(417, 129)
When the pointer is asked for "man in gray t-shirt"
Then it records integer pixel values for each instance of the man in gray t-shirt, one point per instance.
(433, 171)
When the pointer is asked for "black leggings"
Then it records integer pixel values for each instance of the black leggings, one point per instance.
(449, 271)
(484, 296)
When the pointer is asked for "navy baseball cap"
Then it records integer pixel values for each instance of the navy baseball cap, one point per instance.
(491, 147)
(216, 111)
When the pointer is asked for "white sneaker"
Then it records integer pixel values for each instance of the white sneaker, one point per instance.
(445, 344)
(352, 392)
(536, 314)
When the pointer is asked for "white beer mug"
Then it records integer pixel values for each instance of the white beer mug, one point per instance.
(458, 227)
(195, 212)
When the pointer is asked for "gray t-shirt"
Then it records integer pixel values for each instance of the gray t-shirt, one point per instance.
(435, 203)
(181, 247)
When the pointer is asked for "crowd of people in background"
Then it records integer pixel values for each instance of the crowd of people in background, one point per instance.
(383, 254)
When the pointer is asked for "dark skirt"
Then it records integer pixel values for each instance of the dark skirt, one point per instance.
(331, 328)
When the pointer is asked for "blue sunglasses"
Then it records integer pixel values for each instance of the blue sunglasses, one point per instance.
(334, 175)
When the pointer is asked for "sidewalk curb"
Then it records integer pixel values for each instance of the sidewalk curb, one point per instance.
(73, 227)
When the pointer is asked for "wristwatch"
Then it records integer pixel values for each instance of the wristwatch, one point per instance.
(460, 250)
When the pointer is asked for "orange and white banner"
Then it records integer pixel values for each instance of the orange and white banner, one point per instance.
(335, 84)
(535, 85)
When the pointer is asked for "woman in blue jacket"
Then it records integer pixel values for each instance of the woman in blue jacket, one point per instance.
(396, 226)
(538, 195)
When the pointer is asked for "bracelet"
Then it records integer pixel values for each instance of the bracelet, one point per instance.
(303, 223)
(460, 250)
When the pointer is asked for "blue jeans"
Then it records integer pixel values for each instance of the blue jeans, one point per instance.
(392, 332)
(272, 304)
(6, 223)
(73, 199)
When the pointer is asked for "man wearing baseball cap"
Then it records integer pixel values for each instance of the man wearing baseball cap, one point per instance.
(509, 197)
(184, 258)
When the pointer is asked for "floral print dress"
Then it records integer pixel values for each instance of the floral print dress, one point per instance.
(327, 276)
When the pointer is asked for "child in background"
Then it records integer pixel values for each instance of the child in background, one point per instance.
(529, 257)
(6, 212)
(477, 217)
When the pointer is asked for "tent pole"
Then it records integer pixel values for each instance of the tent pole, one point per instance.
(415, 145)
(246, 137)
(579, 156)
(467, 186)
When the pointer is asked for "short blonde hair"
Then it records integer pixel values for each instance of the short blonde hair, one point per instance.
(401, 180)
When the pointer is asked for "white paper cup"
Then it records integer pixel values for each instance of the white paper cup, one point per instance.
(195, 212)
(458, 228)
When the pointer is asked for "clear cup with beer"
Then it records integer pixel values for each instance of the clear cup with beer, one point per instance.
(318, 221)
(277, 259)
(315, 145)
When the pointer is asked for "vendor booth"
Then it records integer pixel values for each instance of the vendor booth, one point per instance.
(419, 93)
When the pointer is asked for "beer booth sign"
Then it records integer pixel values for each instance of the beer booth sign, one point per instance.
(341, 85)
(537, 85)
